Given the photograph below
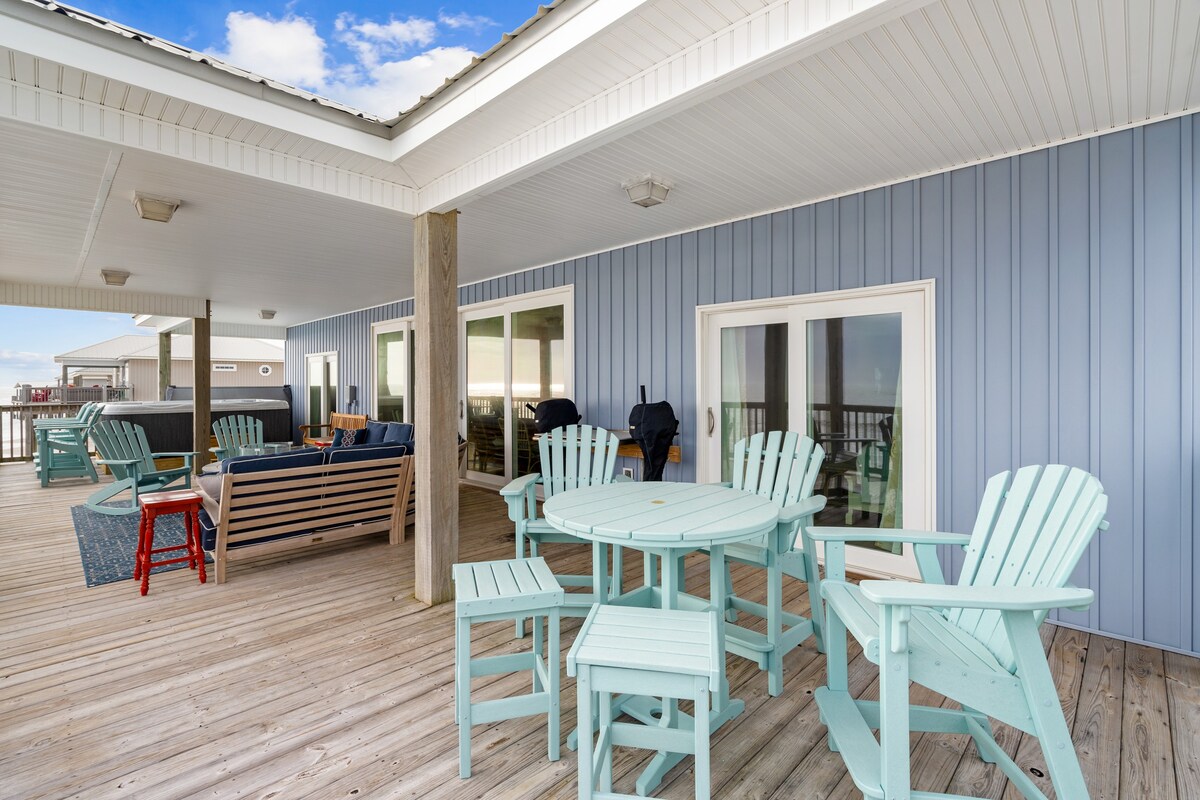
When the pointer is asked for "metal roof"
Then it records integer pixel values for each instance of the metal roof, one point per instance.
(130, 346)
(179, 50)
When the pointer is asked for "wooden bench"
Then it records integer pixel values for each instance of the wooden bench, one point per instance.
(263, 513)
(347, 422)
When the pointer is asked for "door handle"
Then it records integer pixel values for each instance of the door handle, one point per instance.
(460, 409)
(712, 421)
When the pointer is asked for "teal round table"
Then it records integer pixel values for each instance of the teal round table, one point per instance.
(668, 520)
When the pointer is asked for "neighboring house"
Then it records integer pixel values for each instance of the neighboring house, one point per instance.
(133, 359)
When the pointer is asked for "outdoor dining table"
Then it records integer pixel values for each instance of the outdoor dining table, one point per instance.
(668, 520)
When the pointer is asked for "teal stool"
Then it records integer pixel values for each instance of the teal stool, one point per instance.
(506, 590)
(643, 651)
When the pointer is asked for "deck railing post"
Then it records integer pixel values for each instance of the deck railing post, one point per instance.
(202, 386)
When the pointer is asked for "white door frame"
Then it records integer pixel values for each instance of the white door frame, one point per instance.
(327, 407)
(404, 324)
(920, 419)
(506, 307)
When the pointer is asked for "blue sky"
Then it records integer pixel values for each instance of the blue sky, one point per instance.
(378, 57)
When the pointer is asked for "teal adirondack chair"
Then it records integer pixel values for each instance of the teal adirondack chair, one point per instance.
(123, 448)
(975, 642)
(61, 445)
(234, 432)
(783, 466)
(572, 457)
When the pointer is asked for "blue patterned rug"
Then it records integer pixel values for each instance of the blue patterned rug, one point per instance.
(107, 544)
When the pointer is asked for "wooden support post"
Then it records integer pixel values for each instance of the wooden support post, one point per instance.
(164, 364)
(201, 386)
(435, 268)
(66, 378)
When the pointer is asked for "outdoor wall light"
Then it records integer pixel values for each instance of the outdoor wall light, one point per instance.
(114, 277)
(646, 191)
(266, 313)
(155, 209)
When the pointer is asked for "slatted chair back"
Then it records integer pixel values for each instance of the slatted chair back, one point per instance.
(236, 431)
(120, 440)
(575, 456)
(1030, 532)
(782, 466)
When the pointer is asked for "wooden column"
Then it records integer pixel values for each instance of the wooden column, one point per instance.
(435, 269)
(164, 364)
(66, 377)
(201, 386)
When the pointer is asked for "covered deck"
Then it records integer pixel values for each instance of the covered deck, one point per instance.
(321, 676)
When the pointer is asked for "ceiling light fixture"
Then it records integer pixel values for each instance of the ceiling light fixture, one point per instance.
(647, 190)
(114, 277)
(266, 313)
(155, 209)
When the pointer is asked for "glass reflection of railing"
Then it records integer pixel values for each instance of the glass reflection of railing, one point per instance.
(855, 423)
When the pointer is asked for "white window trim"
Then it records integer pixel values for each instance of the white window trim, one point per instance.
(388, 326)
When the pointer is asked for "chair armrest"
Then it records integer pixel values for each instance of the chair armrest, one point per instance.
(191, 454)
(997, 598)
(518, 486)
(307, 428)
(825, 534)
(622, 479)
(521, 496)
(125, 461)
(788, 515)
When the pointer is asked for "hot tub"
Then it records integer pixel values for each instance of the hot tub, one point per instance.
(168, 423)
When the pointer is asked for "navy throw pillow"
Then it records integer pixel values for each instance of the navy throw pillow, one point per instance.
(347, 438)
(375, 433)
(398, 433)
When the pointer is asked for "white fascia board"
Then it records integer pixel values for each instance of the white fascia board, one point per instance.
(74, 50)
(760, 43)
(95, 299)
(508, 68)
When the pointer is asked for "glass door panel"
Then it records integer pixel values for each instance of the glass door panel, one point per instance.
(754, 390)
(391, 376)
(485, 397)
(321, 385)
(853, 388)
(538, 373)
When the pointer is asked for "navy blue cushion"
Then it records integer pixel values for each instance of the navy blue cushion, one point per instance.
(348, 438)
(347, 455)
(306, 457)
(375, 432)
(398, 433)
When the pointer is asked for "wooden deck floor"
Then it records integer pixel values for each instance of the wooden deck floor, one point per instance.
(319, 676)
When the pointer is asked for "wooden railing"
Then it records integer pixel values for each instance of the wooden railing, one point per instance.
(16, 426)
(57, 395)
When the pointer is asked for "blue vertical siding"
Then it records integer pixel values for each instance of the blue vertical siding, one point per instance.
(1068, 324)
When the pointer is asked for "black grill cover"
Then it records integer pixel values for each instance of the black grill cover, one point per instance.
(653, 426)
(555, 413)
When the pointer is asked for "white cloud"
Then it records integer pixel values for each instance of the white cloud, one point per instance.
(476, 23)
(384, 77)
(392, 86)
(287, 50)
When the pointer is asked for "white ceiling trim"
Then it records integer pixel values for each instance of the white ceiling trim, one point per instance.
(50, 109)
(82, 299)
(784, 31)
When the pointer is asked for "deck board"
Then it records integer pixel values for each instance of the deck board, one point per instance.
(317, 675)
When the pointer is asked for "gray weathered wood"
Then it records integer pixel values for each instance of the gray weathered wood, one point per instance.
(435, 268)
(201, 386)
(164, 364)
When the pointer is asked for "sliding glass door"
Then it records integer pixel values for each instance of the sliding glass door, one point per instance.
(852, 370)
(321, 379)
(514, 355)
(393, 344)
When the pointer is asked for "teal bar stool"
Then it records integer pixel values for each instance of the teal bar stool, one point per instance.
(643, 651)
(487, 591)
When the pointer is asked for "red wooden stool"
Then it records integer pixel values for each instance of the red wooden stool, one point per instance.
(182, 501)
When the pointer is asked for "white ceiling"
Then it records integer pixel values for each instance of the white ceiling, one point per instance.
(951, 83)
(244, 243)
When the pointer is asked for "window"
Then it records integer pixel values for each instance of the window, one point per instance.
(321, 383)
(394, 357)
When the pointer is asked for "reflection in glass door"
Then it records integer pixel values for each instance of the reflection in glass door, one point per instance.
(486, 389)
(538, 373)
(322, 379)
(754, 390)
(391, 373)
(853, 387)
